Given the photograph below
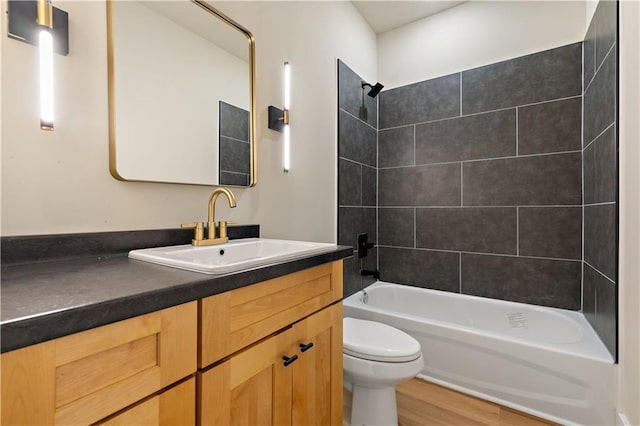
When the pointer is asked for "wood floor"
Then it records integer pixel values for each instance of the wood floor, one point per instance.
(422, 403)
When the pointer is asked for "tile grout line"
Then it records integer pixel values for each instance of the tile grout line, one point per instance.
(553, 206)
(604, 203)
(359, 119)
(600, 134)
(356, 162)
(512, 157)
(231, 138)
(600, 272)
(566, 98)
(559, 259)
(597, 69)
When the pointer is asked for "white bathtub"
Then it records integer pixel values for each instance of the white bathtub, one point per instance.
(543, 361)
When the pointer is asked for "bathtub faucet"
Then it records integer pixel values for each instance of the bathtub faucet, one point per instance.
(366, 272)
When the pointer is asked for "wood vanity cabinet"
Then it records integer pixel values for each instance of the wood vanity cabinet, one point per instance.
(85, 377)
(219, 360)
(294, 376)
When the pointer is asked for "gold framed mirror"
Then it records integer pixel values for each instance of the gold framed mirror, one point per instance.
(181, 94)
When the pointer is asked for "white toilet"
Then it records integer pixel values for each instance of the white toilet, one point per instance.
(376, 357)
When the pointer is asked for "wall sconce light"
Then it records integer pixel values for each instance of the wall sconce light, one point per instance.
(38, 23)
(279, 118)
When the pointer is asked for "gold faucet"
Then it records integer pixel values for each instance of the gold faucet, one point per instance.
(212, 238)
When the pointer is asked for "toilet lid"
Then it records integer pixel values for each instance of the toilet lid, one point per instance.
(378, 342)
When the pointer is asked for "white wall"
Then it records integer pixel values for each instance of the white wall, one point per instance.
(59, 182)
(629, 281)
(474, 34)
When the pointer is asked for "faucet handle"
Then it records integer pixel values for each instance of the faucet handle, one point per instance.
(199, 230)
(222, 229)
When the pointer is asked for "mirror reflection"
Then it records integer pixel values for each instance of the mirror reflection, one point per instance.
(180, 95)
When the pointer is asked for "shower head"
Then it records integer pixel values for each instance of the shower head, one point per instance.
(375, 89)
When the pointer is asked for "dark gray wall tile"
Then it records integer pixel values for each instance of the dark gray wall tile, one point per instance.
(600, 100)
(420, 268)
(600, 169)
(424, 101)
(371, 263)
(606, 21)
(356, 140)
(539, 180)
(554, 283)
(600, 245)
(589, 280)
(599, 306)
(229, 178)
(353, 221)
(437, 185)
(589, 56)
(550, 127)
(606, 313)
(233, 122)
(484, 230)
(351, 96)
(235, 156)
(552, 74)
(350, 182)
(396, 227)
(551, 232)
(369, 186)
(351, 280)
(473, 137)
(396, 147)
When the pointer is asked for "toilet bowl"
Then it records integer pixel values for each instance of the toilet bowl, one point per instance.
(376, 357)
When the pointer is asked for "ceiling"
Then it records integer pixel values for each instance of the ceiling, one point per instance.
(383, 16)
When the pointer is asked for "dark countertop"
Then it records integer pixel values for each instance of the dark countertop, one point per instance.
(49, 299)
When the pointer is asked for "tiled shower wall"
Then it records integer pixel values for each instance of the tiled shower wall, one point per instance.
(600, 174)
(480, 181)
(357, 174)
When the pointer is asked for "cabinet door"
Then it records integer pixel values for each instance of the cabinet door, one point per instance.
(87, 376)
(253, 387)
(317, 374)
(173, 407)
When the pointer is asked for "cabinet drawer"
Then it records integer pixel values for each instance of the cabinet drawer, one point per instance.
(173, 407)
(87, 376)
(231, 321)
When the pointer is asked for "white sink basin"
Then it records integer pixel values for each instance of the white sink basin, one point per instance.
(232, 256)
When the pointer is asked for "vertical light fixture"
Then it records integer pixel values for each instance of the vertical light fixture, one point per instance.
(287, 105)
(279, 119)
(45, 45)
(38, 23)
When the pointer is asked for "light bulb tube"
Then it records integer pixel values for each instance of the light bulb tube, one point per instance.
(287, 85)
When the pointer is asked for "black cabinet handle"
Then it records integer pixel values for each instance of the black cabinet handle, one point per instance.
(304, 348)
(288, 360)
